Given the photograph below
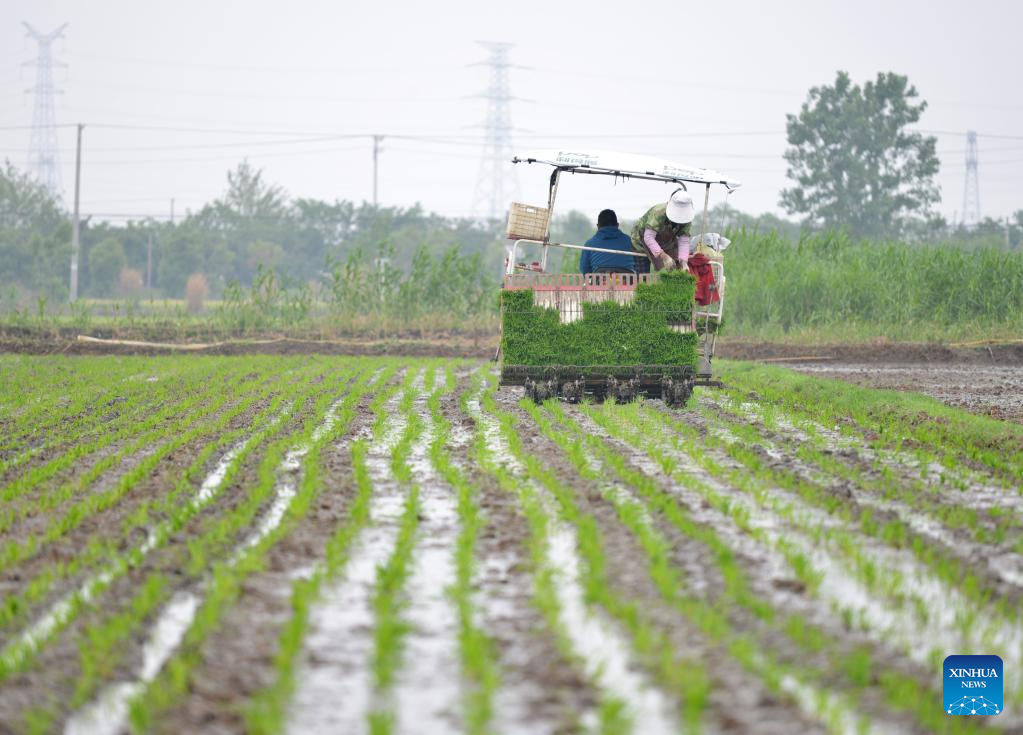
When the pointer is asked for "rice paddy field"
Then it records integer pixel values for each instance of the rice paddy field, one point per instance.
(303, 544)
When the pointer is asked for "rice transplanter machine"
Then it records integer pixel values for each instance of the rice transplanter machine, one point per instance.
(607, 334)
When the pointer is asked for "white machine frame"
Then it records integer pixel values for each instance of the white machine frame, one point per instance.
(624, 166)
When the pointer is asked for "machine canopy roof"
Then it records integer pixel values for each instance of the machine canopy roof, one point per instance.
(627, 164)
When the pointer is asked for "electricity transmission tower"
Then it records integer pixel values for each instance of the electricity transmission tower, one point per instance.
(971, 191)
(43, 158)
(496, 181)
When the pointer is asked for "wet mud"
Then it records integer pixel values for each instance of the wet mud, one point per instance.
(761, 710)
(872, 599)
(994, 390)
(235, 667)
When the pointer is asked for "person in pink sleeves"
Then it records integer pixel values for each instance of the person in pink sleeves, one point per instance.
(663, 232)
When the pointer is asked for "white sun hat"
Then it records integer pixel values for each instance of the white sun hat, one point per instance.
(680, 208)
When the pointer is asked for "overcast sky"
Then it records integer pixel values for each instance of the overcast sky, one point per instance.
(706, 84)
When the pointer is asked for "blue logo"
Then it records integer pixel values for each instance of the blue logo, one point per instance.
(972, 685)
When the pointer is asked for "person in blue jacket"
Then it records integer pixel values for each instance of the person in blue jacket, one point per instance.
(608, 237)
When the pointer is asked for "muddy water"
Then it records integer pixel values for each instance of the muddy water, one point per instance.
(604, 652)
(958, 487)
(334, 680)
(840, 714)
(427, 688)
(813, 701)
(952, 487)
(512, 708)
(108, 712)
(502, 600)
(816, 702)
(930, 611)
(57, 615)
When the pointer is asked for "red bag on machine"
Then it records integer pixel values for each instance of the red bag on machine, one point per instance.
(706, 287)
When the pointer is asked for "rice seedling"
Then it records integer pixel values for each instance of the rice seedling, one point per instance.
(252, 489)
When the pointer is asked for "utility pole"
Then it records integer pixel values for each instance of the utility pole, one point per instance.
(75, 223)
(376, 155)
(149, 262)
(971, 188)
(43, 159)
(496, 181)
(172, 211)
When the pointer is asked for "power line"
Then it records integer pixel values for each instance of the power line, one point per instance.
(693, 134)
(987, 163)
(200, 159)
(458, 140)
(428, 152)
(426, 68)
(213, 131)
(434, 68)
(996, 136)
(662, 82)
(30, 127)
(454, 137)
(119, 200)
(1000, 137)
(469, 142)
(464, 136)
(238, 144)
(256, 94)
(997, 149)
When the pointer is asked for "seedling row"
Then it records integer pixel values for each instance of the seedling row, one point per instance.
(397, 545)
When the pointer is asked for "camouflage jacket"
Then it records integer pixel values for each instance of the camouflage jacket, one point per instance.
(656, 219)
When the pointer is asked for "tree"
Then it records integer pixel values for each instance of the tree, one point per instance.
(855, 164)
(236, 227)
(249, 196)
(35, 237)
(183, 251)
(106, 259)
(25, 203)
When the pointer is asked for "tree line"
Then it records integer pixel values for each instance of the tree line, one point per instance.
(855, 165)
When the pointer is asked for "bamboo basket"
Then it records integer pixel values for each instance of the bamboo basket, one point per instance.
(526, 222)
